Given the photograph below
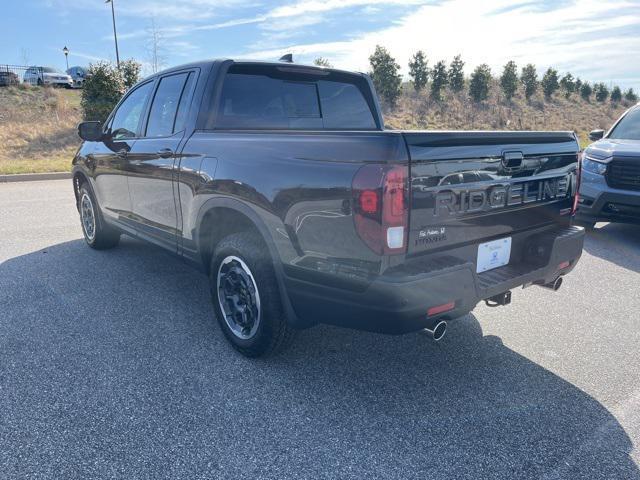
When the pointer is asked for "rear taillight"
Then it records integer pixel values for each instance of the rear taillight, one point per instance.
(576, 198)
(381, 211)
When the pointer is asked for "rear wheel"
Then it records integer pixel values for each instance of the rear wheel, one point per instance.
(246, 298)
(96, 233)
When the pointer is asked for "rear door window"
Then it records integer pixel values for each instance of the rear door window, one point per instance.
(162, 117)
(264, 101)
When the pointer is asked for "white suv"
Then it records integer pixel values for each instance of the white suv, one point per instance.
(47, 76)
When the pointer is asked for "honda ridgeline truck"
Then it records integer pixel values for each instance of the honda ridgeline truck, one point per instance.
(282, 184)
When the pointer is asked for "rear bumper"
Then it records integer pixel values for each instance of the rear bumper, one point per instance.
(397, 303)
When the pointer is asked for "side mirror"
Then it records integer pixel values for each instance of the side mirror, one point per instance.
(90, 131)
(595, 135)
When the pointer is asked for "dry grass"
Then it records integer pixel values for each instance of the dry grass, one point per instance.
(38, 129)
(38, 125)
(457, 112)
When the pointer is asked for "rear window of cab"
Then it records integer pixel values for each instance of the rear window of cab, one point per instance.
(269, 97)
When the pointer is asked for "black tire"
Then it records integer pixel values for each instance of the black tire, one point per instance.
(269, 331)
(96, 232)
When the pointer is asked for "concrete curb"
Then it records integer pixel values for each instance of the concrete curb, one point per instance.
(31, 177)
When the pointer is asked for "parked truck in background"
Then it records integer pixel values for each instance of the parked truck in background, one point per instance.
(281, 183)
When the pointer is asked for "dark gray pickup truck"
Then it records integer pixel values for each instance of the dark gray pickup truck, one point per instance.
(280, 181)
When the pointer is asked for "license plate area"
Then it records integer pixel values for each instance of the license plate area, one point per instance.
(493, 254)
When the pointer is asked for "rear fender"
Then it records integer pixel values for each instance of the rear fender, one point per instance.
(263, 230)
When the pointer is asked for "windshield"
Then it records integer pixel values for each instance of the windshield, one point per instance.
(50, 70)
(629, 127)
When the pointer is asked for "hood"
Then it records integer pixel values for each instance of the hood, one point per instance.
(608, 147)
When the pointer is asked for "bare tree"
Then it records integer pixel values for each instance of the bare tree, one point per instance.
(155, 46)
(25, 57)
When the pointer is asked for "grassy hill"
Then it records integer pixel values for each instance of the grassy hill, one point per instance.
(38, 125)
(458, 112)
(38, 129)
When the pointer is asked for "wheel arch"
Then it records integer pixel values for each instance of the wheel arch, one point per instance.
(236, 216)
(79, 178)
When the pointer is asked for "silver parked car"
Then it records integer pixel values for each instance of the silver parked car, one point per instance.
(78, 75)
(47, 76)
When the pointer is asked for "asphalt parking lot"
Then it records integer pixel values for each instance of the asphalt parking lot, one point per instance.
(112, 366)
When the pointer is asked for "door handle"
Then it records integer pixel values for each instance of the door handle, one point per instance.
(165, 153)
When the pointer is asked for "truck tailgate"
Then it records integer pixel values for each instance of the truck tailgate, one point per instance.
(473, 187)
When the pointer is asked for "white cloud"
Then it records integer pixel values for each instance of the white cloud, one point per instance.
(582, 36)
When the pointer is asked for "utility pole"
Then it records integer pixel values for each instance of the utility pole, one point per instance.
(115, 35)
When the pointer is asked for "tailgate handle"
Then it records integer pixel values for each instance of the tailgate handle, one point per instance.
(512, 160)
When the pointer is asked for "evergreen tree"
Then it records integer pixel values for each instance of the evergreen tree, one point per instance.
(578, 85)
(456, 74)
(630, 95)
(616, 94)
(439, 79)
(419, 70)
(586, 91)
(601, 92)
(480, 83)
(509, 79)
(322, 62)
(529, 78)
(550, 82)
(568, 84)
(385, 76)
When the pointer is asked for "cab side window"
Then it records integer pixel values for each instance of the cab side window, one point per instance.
(168, 106)
(127, 118)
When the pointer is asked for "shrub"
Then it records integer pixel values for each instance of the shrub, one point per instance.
(479, 83)
(601, 92)
(568, 84)
(616, 94)
(586, 91)
(550, 82)
(577, 85)
(385, 76)
(418, 70)
(104, 87)
(509, 80)
(529, 79)
(439, 79)
(322, 62)
(630, 95)
(130, 70)
(456, 74)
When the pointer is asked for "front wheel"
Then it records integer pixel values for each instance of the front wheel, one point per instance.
(96, 233)
(246, 298)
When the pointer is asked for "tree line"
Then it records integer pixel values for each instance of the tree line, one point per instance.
(385, 73)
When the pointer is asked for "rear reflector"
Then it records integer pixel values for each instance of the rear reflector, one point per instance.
(445, 307)
(563, 265)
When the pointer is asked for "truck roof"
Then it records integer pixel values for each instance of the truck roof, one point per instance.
(206, 63)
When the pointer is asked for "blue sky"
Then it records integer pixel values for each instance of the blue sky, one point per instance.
(596, 40)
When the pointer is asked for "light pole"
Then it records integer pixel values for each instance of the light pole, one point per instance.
(65, 50)
(115, 35)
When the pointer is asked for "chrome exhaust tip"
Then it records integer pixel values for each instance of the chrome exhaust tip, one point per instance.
(436, 331)
(555, 285)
